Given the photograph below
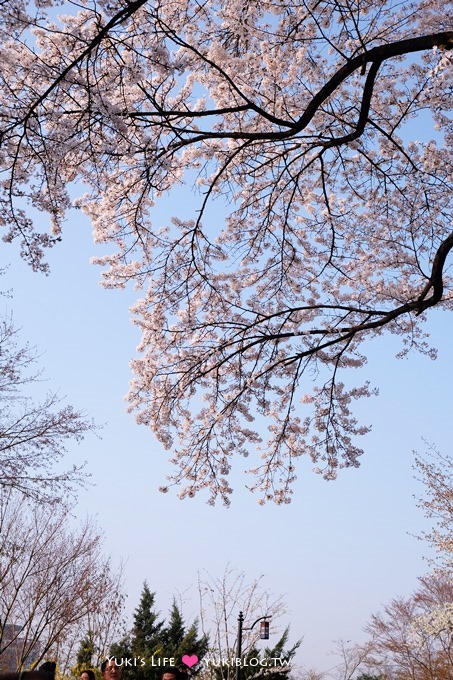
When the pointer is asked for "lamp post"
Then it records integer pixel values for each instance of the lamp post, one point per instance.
(264, 635)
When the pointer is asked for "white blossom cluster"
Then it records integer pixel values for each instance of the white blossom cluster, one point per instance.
(439, 620)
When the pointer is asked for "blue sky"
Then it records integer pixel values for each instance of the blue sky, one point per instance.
(338, 553)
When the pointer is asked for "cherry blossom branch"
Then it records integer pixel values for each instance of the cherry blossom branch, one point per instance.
(119, 18)
(375, 56)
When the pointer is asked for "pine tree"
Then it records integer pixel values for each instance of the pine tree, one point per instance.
(85, 655)
(278, 659)
(180, 640)
(143, 641)
(151, 640)
(85, 651)
(147, 629)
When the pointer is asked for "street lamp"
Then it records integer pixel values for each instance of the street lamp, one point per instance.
(264, 635)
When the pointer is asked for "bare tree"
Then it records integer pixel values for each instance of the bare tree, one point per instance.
(323, 219)
(53, 580)
(353, 659)
(311, 674)
(33, 434)
(221, 601)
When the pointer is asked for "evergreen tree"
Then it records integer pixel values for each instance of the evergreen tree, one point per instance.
(152, 640)
(85, 657)
(147, 629)
(180, 640)
(86, 650)
(278, 659)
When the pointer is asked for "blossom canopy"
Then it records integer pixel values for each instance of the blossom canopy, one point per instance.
(314, 216)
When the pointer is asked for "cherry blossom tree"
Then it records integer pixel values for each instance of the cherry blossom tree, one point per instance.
(313, 142)
(413, 637)
(435, 470)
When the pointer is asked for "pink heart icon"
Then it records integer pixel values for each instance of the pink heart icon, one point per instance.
(190, 660)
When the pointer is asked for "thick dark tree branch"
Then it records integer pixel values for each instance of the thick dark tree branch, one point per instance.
(119, 18)
(319, 221)
(375, 56)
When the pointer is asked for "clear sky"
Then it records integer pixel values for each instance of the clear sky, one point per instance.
(338, 553)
